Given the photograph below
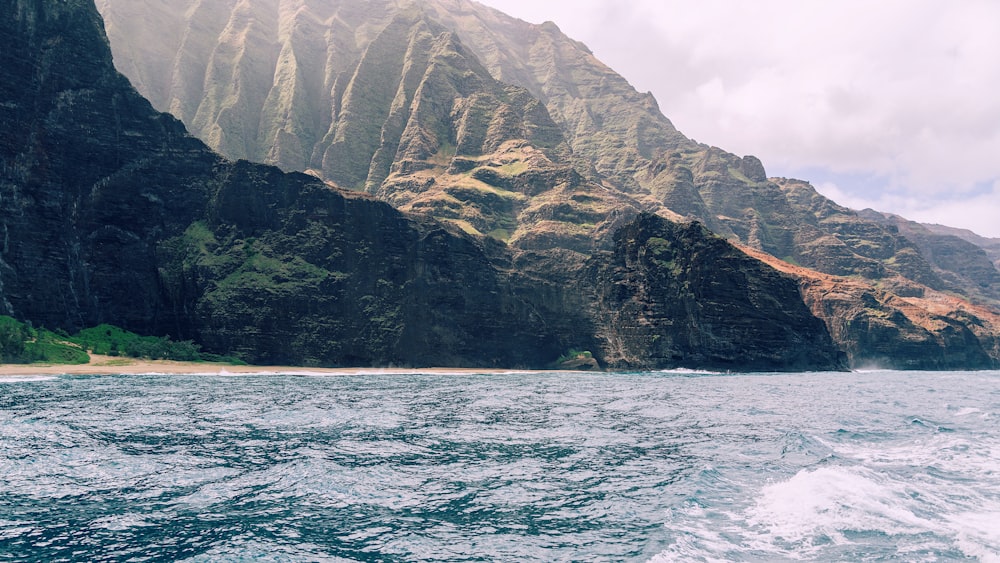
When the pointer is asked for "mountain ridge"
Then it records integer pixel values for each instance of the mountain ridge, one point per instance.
(618, 138)
(112, 212)
(624, 158)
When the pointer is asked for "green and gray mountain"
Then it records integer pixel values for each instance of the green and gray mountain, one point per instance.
(111, 212)
(541, 204)
(513, 131)
(385, 96)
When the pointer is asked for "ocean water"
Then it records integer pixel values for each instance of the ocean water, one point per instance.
(660, 467)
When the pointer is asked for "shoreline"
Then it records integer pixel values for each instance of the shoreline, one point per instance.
(109, 365)
(112, 365)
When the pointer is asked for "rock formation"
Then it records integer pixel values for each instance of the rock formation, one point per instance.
(897, 323)
(111, 212)
(960, 258)
(990, 245)
(725, 308)
(506, 129)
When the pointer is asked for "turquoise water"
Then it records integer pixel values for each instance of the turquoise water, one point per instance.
(514, 467)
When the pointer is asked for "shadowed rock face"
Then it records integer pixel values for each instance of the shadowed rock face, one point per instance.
(710, 294)
(110, 212)
(92, 177)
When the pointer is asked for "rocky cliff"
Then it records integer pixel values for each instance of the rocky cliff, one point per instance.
(990, 245)
(725, 308)
(618, 137)
(506, 129)
(111, 212)
(960, 257)
(897, 323)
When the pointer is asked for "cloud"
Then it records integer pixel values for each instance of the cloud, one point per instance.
(977, 212)
(900, 90)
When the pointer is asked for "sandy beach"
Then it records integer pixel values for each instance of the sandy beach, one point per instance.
(131, 366)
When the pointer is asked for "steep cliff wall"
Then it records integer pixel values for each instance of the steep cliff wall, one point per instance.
(897, 323)
(110, 212)
(672, 294)
(92, 176)
(500, 127)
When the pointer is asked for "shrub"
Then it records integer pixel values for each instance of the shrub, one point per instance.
(573, 354)
(13, 337)
(50, 351)
(22, 344)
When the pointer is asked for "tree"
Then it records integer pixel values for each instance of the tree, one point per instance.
(13, 336)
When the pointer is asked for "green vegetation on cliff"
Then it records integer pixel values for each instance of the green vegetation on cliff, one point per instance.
(20, 343)
(109, 340)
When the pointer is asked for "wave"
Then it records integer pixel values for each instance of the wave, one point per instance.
(935, 497)
(27, 378)
(688, 371)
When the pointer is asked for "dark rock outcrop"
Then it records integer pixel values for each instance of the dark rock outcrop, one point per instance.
(92, 177)
(677, 295)
(897, 323)
(879, 329)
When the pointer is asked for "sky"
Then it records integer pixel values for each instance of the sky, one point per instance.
(892, 105)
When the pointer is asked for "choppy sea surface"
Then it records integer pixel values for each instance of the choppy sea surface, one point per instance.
(876, 466)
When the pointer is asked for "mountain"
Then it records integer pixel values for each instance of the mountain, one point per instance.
(514, 131)
(111, 212)
(990, 245)
(964, 261)
(350, 69)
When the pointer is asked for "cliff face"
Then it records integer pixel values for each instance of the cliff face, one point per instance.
(92, 176)
(990, 245)
(962, 261)
(724, 309)
(110, 212)
(502, 128)
(897, 323)
(354, 70)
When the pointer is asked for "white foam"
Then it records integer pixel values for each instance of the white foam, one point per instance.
(26, 378)
(940, 484)
(977, 534)
(702, 537)
(120, 522)
(687, 371)
(935, 494)
(827, 501)
(946, 451)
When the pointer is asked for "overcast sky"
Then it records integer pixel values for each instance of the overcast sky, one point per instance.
(893, 105)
